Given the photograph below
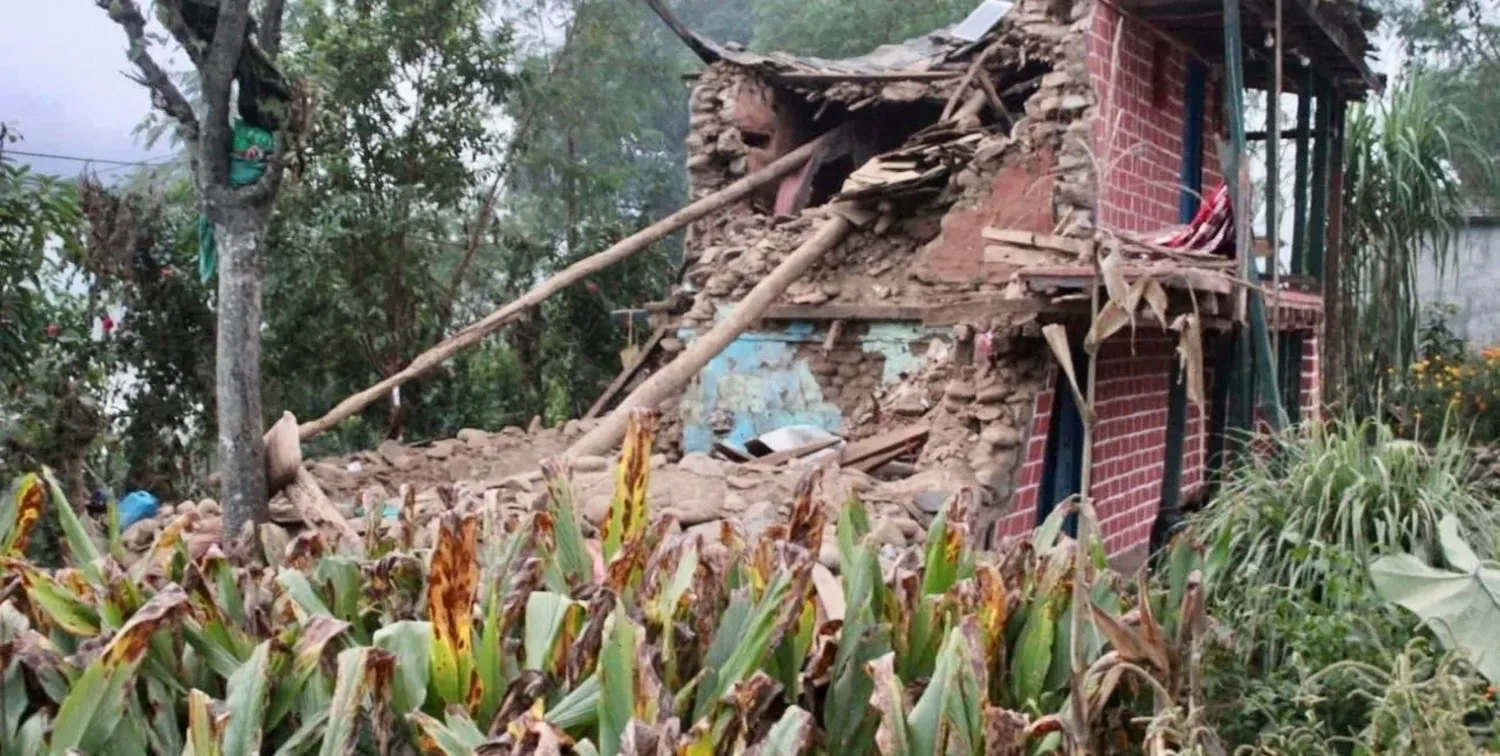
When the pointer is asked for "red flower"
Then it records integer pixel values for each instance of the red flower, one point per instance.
(166, 273)
(592, 287)
(109, 324)
(52, 329)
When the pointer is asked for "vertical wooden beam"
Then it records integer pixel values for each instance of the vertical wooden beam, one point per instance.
(1192, 140)
(1257, 337)
(1317, 226)
(1330, 349)
(1299, 178)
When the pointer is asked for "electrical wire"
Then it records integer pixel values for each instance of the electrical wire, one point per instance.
(79, 159)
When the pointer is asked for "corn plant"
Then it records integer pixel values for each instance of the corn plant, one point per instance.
(526, 636)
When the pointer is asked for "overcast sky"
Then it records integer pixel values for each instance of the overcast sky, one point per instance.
(61, 86)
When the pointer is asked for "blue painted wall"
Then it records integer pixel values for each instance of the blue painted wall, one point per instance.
(759, 384)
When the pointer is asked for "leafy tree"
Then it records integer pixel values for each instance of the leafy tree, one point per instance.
(217, 37)
(394, 192)
(838, 28)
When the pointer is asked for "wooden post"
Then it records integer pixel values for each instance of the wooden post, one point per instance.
(1299, 179)
(621, 250)
(671, 377)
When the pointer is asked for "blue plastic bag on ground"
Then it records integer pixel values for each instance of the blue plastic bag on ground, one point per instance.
(137, 506)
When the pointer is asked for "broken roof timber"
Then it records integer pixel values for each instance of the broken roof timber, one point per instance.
(1332, 33)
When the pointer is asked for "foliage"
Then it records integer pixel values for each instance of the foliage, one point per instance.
(36, 213)
(523, 637)
(1461, 393)
(1254, 699)
(1419, 702)
(1461, 605)
(389, 204)
(802, 27)
(1307, 516)
(1402, 201)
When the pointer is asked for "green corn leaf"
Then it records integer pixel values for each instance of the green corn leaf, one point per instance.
(790, 736)
(925, 723)
(82, 548)
(617, 683)
(1051, 528)
(750, 648)
(410, 643)
(63, 607)
(307, 654)
(217, 656)
(343, 575)
(460, 724)
(489, 655)
(305, 738)
(166, 730)
(1033, 655)
(853, 526)
(30, 736)
(440, 737)
(580, 707)
(247, 690)
(570, 555)
(302, 592)
(358, 673)
(545, 614)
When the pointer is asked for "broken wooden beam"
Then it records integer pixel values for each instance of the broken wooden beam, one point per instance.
(574, 273)
(877, 446)
(670, 379)
(623, 379)
(787, 455)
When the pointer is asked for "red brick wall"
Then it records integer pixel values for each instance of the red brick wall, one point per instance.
(1311, 398)
(1130, 398)
(1138, 135)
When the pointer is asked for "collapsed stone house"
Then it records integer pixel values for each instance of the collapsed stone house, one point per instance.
(990, 171)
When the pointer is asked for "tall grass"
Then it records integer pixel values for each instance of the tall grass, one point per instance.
(1304, 520)
(1403, 202)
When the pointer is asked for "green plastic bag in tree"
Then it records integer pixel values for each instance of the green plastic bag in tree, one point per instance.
(248, 154)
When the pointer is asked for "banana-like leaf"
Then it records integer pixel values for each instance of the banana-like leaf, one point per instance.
(1033, 653)
(452, 582)
(307, 655)
(362, 672)
(546, 616)
(20, 514)
(627, 512)
(87, 717)
(435, 737)
(580, 707)
(569, 552)
(853, 526)
(305, 738)
(790, 736)
(410, 643)
(82, 548)
(247, 691)
(304, 596)
(751, 645)
(343, 576)
(617, 683)
(58, 604)
(1462, 608)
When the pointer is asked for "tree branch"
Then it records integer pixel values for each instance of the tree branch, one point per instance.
(164, 94)
(270, 27)
(217, 73)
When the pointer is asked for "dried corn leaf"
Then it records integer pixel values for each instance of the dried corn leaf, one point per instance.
(1057, 339)
(1190, 352)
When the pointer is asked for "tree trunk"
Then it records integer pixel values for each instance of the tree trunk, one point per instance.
(239, 231)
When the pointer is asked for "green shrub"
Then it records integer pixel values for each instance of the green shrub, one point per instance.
(1303, 520)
